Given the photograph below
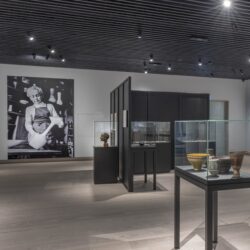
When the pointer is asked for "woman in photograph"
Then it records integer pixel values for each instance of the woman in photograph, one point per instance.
(39, 119)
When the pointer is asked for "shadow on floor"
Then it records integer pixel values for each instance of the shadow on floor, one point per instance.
(140, 186)
(227, 238)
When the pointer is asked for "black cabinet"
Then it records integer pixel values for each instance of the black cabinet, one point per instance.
(139, 111)
(144, 156)
(105, 165)
(163, 157)
(194, 106)
(163, 106)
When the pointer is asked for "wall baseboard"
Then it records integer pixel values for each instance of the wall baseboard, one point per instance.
(46, 160)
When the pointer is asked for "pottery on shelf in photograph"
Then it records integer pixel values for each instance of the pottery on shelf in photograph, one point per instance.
(52, 95)
(224, 164)
(196, 159)
(213, 167)
(59, 98)
(236, 161)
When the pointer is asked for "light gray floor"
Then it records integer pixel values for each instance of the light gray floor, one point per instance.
(45, 206)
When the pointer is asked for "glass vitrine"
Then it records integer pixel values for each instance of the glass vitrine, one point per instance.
(145, 133)
(212, 149)
(105, 133)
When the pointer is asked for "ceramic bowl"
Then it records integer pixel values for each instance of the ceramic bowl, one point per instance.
(196, 159)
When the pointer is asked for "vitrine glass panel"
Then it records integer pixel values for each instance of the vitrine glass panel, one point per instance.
(213, 150)
(105, 133)
(148, 133)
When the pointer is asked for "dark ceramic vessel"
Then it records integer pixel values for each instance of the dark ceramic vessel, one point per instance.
(224, 164)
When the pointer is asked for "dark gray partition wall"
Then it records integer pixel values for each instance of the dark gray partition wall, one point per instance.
(120, 102)
(127, 105)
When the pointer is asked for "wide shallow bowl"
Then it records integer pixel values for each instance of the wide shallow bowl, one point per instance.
(196, 159)
(224, 164)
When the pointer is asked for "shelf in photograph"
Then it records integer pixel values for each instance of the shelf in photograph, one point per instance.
(13, 101)
(17, 90)
(15, 113)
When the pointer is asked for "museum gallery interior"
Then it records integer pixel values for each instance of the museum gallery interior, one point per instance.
(125, 125)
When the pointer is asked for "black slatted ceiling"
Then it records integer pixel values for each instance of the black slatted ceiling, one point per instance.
(102, 34)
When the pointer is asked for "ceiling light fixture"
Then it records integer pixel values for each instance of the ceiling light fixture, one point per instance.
(200, 63)
(145, 71)
(31, 38)
(34, 55)
(51, 50)
(198, 38)
(151, 58)
(227, 3)
(169, 68)
(139, 34)
(62, 59)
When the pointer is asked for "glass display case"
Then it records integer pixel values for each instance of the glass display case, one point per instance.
(213, 149)
(105, 133)
(149, 133)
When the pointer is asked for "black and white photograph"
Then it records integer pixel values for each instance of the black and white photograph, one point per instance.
(40, 117)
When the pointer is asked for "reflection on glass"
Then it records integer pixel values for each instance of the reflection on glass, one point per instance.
(148, 133)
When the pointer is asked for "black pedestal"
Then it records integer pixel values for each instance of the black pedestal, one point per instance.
(105, 165)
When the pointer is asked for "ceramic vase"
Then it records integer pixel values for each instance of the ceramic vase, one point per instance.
(236, 160)
(213, 167)
(52, 95)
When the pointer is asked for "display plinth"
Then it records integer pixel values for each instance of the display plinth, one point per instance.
(105, 165)
(211, 186)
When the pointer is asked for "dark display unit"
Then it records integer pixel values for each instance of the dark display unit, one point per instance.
(105, 165)
(150, 106)
(167, 107)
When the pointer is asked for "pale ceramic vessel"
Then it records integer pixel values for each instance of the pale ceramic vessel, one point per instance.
(213, 167)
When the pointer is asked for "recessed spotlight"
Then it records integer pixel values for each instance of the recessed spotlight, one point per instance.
(169, 68)
(52, 51)
(63, 60)
(227, 3)
(200, 63)
(151, 58)
(145, 71)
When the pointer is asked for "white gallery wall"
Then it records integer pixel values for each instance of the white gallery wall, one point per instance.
(92, 89)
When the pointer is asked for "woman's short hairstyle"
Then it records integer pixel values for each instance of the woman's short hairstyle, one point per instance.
(31, 89)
